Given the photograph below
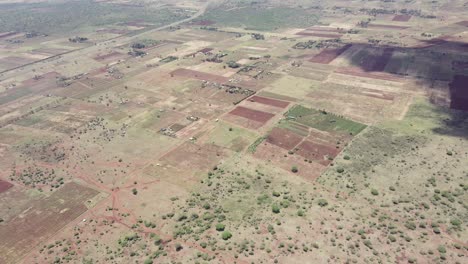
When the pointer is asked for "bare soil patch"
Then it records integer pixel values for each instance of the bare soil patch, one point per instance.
(203, 76)
(109, 56)
(251, 114)
(4, 186)
(283, 138)
(401, 18)
(317, 152)
(382, 26)
(280, 157)
(318, 34)
(269, 101)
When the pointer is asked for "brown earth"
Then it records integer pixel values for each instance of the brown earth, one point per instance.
(4, 186)
(251, 114)
(283, 138)
(401, 18)
(269, 101)
(203, 76)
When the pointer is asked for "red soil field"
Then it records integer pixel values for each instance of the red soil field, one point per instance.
(108, 56)
(459, 92)
(318, 152)
(401, 18)
(283, 138)
(269, 101)
(321, 35)
(386, 26)
(463, 23)
(251, 114)
(199, 75)
(4, 186)
(328, 55)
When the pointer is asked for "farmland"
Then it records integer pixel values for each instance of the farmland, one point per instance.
(212, 131)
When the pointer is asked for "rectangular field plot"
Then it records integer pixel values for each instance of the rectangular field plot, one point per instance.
(269, 101)
(328, 55)
(324, 121)
(308, 139)
(251, 114)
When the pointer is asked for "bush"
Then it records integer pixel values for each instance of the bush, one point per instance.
(322, 202)
(294, 169)
(178, 247)
(275, 209)
(374, 192)
(340, 170)
(442, 249)
(134, 191)
(220, 227)
(226, 235)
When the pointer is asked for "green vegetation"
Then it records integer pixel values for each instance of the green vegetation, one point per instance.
(256, 143)
(226, 235)
(323, 120)
(262, 19)
(70, 16)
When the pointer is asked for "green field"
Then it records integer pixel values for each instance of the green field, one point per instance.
(262, 19)
(323, 121)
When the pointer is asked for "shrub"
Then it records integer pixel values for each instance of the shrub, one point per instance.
(294, 169)
(226, 235)
(374, 192)
(178, 247)
(134, 191)
(275, 209)
(442, 249)
(340, 170)
(322, 202)
(220, 227)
